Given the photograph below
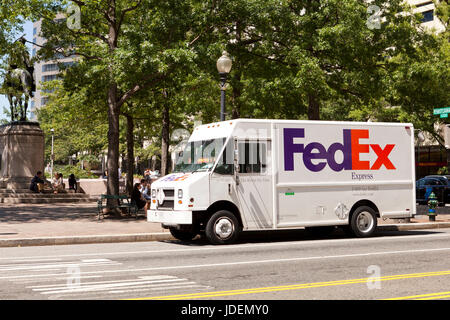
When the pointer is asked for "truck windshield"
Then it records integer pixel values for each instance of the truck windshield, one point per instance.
(199, 155)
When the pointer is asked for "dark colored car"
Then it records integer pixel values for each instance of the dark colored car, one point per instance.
(440, 185)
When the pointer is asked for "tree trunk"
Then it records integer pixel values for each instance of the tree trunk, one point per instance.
(130, 153)
(112, 185)
(236, 110)
(165, 141)
(113, 143)
(313, 107)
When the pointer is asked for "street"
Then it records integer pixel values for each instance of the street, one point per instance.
(280, 266)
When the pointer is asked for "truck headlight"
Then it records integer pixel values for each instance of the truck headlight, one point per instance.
(154, 193)
(180, 193)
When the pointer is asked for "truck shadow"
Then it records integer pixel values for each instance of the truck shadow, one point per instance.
(298, 235)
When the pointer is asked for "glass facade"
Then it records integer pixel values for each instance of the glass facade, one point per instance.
(427, 16)
(50, 77)
(429, 159)
(50, 67)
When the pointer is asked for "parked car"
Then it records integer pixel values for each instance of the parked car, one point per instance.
(440, 185)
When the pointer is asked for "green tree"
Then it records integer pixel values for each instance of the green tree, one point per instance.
(120, 53)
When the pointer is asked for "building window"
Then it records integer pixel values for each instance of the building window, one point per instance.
(50, 78)
(44, 101)
(427, 16)
(32, 104)
(50, 67)
(33, 53)
(34, 31)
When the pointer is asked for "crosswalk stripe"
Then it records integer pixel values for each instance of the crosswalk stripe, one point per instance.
(150, 278)
(163, 288)
(61, 265)
(104, 286)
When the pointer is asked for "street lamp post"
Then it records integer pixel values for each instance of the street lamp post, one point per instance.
(51, 169)
(224, 67)
(420, 138)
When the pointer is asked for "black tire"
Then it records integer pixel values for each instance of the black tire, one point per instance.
(320, 231)
(363, 222)
(182, 234)
(229, 232)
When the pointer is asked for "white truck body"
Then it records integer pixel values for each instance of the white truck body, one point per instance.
(292, 174)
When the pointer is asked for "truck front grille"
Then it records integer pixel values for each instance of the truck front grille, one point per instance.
(169, 200)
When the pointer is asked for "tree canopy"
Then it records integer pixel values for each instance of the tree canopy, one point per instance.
(149, 66)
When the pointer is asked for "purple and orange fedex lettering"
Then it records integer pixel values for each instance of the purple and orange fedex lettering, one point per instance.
(351, 149)
(358, 148)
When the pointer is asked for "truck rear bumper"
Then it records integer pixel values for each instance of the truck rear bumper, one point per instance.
(169, 217)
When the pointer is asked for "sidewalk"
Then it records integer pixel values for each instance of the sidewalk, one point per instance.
(67, 221)
(48, 224)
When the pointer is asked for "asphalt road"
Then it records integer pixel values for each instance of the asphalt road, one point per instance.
(281, 266)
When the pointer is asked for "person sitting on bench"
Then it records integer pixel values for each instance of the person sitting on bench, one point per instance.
(57, 183)
(37, 184)
(72, 182)
(137, 198)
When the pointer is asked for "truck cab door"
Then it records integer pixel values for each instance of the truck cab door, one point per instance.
(254, 183)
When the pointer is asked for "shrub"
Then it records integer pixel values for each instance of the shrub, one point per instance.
(79, 173)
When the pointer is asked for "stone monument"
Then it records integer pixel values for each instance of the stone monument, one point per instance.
(22, 153)
(21, 141)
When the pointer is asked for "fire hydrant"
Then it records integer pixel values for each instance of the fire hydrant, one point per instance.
(432, 204)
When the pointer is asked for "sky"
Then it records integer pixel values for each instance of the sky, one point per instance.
(28, 30)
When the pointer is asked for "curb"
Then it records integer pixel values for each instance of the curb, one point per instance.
(162, 236)
(413, 226)
(51, 241)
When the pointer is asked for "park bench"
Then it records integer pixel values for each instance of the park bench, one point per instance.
(120, 202)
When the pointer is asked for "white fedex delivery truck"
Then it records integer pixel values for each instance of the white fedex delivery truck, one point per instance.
(247, 174)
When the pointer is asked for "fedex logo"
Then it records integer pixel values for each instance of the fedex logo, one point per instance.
(351, 149)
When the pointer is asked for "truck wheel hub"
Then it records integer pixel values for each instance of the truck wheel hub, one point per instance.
(365, 221)
(224, 228)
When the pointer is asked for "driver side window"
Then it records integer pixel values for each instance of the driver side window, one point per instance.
(225, 164)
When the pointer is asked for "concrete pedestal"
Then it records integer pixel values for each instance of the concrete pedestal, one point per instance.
(21, 154)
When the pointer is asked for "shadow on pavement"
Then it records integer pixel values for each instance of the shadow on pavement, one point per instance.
(296, 235)
(38, 213)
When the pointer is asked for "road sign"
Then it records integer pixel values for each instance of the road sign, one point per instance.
(441, 110)
(444, 115)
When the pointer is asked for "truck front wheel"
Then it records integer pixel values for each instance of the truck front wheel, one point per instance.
(363, 222)
(222, 228)
(182, 234)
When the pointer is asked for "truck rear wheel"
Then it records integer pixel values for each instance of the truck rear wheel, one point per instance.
(182, 234)
(363, 222)
(222, 228)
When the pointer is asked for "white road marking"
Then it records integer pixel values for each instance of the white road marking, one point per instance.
(95, 260)
(28, 281)
(169, 287)
(148, 278)
(106, 287)
(35, 260)
(164, 288)
(100, 261)
(171, 267)
(246, 246)
(60, 266)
